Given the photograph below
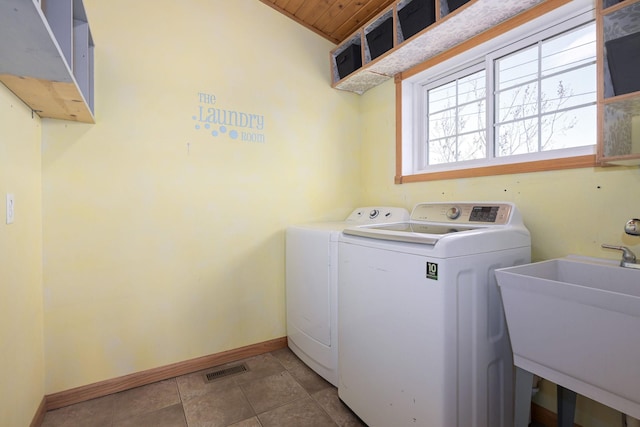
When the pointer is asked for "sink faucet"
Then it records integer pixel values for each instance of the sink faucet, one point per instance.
(628, 257)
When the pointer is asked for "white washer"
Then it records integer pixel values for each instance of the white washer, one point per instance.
(311, 286)
(422, 337)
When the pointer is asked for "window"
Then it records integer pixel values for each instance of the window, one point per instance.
(516, 102)
(545, 94)
(456, 122)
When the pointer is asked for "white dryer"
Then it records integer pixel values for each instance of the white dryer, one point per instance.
(311, 286)
(422, 335)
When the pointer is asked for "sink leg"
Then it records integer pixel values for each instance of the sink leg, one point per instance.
(524, 383)
(566, 406)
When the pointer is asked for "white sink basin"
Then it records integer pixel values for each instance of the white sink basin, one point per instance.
(576, 322)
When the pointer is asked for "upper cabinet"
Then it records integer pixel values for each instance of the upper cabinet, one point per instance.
(618, 24)
(410, 32)
(46, 57)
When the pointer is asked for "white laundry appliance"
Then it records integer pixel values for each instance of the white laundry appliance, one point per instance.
(422, 337)
(311, 286)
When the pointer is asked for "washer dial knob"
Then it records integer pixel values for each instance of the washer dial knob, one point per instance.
(374, 214)
(453, 212)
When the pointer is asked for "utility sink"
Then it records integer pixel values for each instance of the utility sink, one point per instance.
(576, 322)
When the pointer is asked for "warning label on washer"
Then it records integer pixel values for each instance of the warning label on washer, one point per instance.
(432, 270)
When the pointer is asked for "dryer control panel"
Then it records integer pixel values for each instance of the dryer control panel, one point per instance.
(378, 215)
(463, 213)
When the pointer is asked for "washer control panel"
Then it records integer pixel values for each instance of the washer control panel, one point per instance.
(463, 213)
(453, 212)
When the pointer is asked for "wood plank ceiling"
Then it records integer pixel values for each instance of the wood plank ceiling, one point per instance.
(335, 20)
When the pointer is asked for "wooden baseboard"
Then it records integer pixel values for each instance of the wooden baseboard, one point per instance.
(38, 418)
(544, 416)
(126, 382)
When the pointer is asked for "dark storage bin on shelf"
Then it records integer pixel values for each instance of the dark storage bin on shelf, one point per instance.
(623, 57)
(380, 39)
(416, 16)
(609, 3)
(349, 60)
(454, 4)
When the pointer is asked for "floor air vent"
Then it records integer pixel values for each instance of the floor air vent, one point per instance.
(226, 372)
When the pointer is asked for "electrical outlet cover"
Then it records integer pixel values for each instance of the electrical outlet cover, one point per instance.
(10, 208)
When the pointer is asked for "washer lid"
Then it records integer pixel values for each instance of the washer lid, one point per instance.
(412, 232)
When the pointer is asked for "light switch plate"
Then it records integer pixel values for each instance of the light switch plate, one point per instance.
(11, 213)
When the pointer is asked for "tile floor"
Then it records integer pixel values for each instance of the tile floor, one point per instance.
(278, 390)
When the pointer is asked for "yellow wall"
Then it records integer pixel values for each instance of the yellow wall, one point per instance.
(567, 212)
(163, 242)
(21, 315)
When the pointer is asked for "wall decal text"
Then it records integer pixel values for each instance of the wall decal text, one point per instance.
(236, 125)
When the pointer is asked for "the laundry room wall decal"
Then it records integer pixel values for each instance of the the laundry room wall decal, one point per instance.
(221, 122)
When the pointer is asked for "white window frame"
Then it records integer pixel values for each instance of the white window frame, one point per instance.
(575, 14)
(419, 146)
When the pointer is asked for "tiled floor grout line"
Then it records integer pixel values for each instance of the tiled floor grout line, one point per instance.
(184, 413)
(314, 399)
(308, 395)
(323, 409)
(255, 413)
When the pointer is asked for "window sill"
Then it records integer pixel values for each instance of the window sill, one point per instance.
(512, 168)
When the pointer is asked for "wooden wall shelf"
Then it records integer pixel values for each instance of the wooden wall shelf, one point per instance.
(449, 30)
(46, 57)
(618, 114)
